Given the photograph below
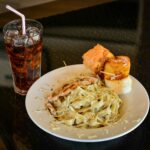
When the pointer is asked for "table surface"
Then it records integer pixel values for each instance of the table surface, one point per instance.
(18, 132)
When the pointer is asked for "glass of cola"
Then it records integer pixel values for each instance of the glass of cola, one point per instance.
(24, 52)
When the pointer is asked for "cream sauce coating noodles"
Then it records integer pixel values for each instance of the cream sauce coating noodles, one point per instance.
(86, 105)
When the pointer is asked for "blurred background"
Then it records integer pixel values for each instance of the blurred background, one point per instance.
(76, 26)
(71, 27)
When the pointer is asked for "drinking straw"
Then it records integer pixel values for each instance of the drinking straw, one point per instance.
(22, 18)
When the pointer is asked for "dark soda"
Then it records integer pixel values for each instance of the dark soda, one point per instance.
(24, 52)
(25, 63)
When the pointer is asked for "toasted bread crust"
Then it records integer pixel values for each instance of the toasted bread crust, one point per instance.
(96, 57)
(119, 66)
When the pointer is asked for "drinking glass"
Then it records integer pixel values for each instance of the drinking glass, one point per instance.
(24, 52)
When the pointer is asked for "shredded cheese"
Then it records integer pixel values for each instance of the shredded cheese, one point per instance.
(88, 106)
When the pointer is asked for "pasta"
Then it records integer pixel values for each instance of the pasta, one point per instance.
(89, 105)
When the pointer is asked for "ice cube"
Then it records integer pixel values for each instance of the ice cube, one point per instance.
(19, 41)
(10, 34)
(34, 33)
(29, 42)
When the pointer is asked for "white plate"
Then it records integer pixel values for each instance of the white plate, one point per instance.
(134, 110)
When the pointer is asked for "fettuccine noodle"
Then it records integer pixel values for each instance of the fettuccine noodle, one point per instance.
(88, 106)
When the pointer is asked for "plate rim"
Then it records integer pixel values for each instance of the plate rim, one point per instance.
(86, 140)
